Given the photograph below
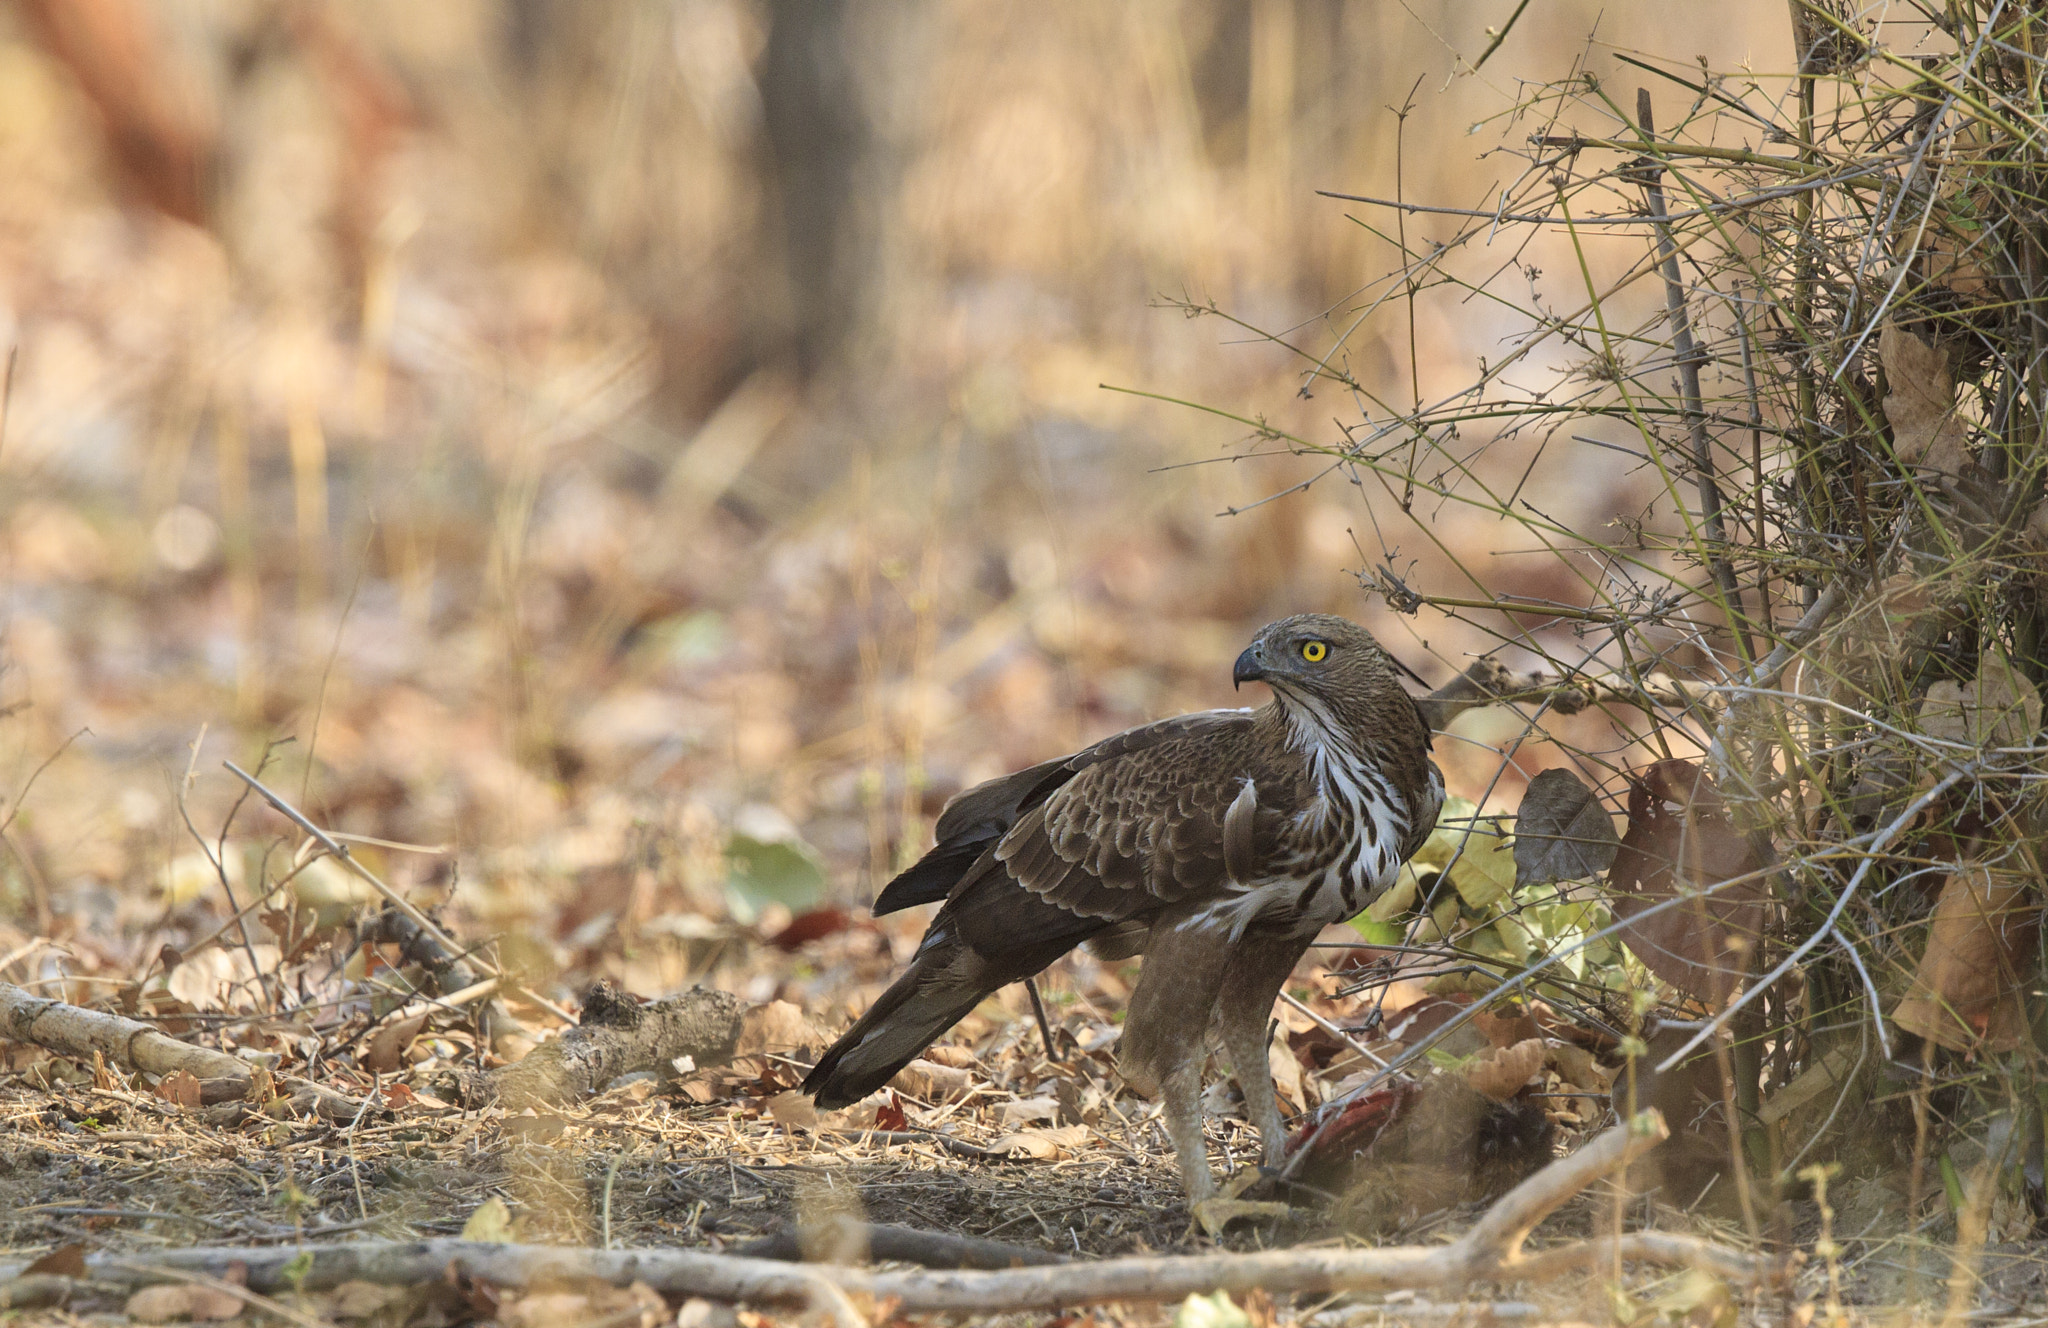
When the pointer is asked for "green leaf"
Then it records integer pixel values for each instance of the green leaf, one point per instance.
(771, 871)
(1399, 898)
(1378, 933)
(1484, 873)
(490, 1221)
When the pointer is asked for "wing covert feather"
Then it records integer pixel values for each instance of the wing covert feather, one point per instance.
(1143, 823)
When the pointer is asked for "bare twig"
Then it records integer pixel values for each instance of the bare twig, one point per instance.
(1686, 353)
(397, 900)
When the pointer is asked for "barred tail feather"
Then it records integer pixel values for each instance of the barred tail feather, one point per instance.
(937, 992)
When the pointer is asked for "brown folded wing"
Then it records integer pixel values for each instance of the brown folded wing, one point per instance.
(1146, 825)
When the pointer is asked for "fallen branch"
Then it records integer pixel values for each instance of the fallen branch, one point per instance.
(618, 1036)
(78, 1032)
(1489, 1252)
(846, 1239)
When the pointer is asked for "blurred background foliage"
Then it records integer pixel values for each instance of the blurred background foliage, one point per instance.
(596, 436)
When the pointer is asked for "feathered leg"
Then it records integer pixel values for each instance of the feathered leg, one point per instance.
(1244, 1010)
(1181, 1099)
(1166, 1031)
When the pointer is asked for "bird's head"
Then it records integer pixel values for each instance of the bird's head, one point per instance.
(1328, 670)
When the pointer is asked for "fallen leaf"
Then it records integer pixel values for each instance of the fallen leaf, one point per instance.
(386, 1052)
(181, 1089)
(612, 1306)
(771, 866)
(399, 1096)
(1682, 842)
(163, 1304)
(1997, 708)
(64, 1261)
(1511, 1024)
(1478, 859)
(364, 1300)
(891, 1116)
(1024, 1111)
(793, 1110)
(958, 1058)
(1562, 833)
(490, 1221)
(1920, 403)
(777, 1026)
(1505, 1071)
(1217, 1310)
(1286, 1071)
(330, 891)
(811, 925)
(1044, 1145)
(1576, 1066)
(1970, 986)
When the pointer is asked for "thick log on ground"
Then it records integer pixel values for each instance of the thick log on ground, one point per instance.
(619, 1037)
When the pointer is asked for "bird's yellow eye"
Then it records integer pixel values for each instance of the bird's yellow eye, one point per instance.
(1314, 651)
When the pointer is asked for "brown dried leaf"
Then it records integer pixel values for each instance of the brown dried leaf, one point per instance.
(1680, 841)
(180, 1088)
(793, 1110)
(1044, 1145)
(1576, 1066)
(364, 1300)
(777, 1026)
(959, 1058)
(609, 1305)
(1969, 989)
(64, 1261)
(1562, 833)
(163, 1304)
(1028, 1110)
(1508, 1025)
(1286, 1068)
(1505, 1071)
(386, 1052)
(1997, 708)
(1921, 403)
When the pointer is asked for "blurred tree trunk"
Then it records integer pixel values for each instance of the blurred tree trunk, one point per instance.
(819, 138)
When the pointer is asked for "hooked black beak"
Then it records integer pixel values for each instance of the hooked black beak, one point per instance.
(1249, 668)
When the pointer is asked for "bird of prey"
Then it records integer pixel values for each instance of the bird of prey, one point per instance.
(1215, 844)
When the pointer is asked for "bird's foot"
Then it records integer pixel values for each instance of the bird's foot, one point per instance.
(1225, 1206)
